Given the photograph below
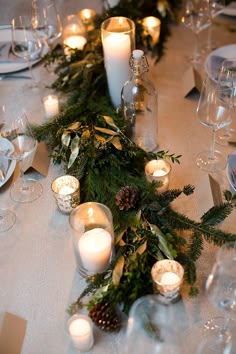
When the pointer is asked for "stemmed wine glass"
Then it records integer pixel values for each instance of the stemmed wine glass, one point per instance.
(26, 43)
(17, 130)
(221, 291)
(215, 111)
(227, 78)
(216, 7)
(196, 17)
(46, 21)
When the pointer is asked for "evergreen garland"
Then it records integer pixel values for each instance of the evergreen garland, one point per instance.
(89, 138)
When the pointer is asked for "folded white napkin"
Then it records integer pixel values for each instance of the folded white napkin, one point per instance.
(232, 169)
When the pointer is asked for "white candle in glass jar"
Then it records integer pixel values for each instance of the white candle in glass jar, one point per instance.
(74, 42)
(51, 105)
(117, 51)
(65, 190)
(95, 248)
(81, 333)
(159, 173)
(169, 278)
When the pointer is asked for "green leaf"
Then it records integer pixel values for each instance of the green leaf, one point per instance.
(163, 244)
(118, 270)
(65, 139)
(74, 150)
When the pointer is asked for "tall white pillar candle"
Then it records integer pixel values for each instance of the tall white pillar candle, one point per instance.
(95, 248)
(118, 43)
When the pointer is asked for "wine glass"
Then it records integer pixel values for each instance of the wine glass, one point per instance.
(227, 78)
(196, 17)
(26, 43)
(150, 328)
(17, 130)
(46, 21)
(214, 110)
(216, 7)
(221, 291)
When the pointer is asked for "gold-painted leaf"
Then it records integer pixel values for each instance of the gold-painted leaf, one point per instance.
(106, 131)
(142, 248)
(65, 138)
(85, 134)
(101, 139)
(74, 126)
(119, 237)
(118, 270)
(116, 143)
(109, 121)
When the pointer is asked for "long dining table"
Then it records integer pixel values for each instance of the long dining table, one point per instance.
(38, 274)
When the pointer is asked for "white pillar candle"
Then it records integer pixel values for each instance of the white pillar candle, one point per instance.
(95, 249)
(74, 42)
(117, 51)
(81, 333)
(51, 105)
(169, 278)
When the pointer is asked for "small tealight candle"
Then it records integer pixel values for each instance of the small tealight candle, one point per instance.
(66, 192)
(74, 42)
(151, 26)
(81, 332)
(87, 17)
(167, 276)
(158, 170)
(51, 105)
(95, 248)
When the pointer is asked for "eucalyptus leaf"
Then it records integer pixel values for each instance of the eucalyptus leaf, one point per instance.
(65, 138)
(116, 143)
(74, 126)
(109, 121)
(163, 245)
(100, 138)
(74, 150)
(106, 131)
(118, 270)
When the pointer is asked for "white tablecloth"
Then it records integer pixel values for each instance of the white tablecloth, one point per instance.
(37, 266)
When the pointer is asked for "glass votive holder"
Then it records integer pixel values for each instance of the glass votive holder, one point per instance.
(118, 41)
(167, 276)
(87, 16)
(74, 34)
(66, 190)
(80, 329)
(51, 106)
(151, 28)
(93, 237)
(159, 170)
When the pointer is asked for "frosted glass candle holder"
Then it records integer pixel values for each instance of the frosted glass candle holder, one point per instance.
(159, 170)
(118, 41)
(93, 237)
(80, 330)
(74, 35)
(151, 27)
(167, 277)
(66, 190)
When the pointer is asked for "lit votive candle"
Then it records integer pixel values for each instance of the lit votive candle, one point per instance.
(81, 332)
(95, 247)
(87, 17)
(167, 276)
(151, 26)
(74, 42)
(51, 105)
(66, 190)
(158, 170)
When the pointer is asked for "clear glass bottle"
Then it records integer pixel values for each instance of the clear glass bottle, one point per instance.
(139, 104)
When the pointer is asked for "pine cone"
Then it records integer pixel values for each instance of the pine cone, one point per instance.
(105, 317)
(127, 198)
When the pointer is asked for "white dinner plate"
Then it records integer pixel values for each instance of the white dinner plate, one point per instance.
(230, 10)
(18, 65)
(228, 176)
(215, 59)
(6, 144)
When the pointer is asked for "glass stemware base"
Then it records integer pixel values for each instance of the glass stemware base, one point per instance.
(226, 136)
(7, 219)
(210, 163)
(26, 191)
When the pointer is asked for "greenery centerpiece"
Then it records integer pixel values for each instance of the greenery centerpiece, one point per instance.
(88, 137)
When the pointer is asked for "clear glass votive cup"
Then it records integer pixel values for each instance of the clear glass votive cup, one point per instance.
(118, 41)
(159, 170)
(80, 330)
(167, 276)
(93, 237)
(66, 190)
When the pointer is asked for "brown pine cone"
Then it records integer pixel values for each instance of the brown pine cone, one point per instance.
(127, 198)
(105, 317)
